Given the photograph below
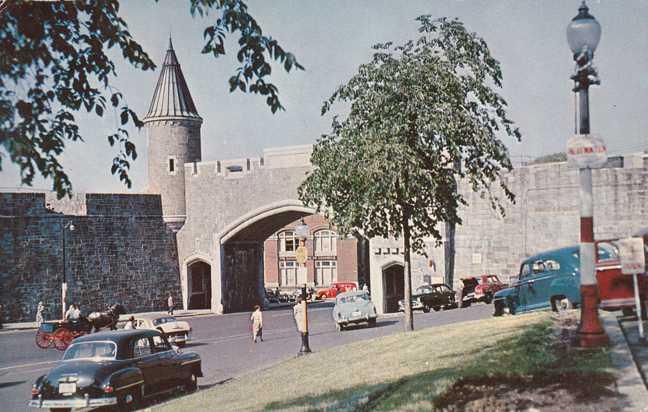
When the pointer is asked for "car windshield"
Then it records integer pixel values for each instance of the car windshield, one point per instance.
(162, 321)
(354, 299)
(424, 289)
(91, 350)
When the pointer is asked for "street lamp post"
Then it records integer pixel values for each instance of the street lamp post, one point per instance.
(66, 226)
(301, 232)
(583, 35)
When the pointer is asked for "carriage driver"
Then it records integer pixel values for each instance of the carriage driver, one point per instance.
(73, 313)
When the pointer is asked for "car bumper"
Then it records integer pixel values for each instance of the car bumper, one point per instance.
(416, 305)
(72, 403)
(356, 319)
(180, 337)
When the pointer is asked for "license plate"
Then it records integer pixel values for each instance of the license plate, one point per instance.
(67, 388)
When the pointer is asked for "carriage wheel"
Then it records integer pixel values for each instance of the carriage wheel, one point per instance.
(62, 338)
(43, 339)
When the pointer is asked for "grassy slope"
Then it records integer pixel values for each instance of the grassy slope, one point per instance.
(402, 371)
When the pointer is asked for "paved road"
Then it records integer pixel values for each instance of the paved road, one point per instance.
(223, 342)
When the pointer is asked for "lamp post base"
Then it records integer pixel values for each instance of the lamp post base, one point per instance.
(590, 333)
(305, 348)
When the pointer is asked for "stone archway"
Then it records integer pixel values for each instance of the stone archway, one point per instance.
(241, 253)
(393, 286)
(199, 285)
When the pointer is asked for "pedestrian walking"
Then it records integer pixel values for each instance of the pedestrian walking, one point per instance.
(170, 304)
(72, 313)
(365, 288)
(257, 324)
(39, 313)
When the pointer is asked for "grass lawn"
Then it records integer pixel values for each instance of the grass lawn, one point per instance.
(423, 370)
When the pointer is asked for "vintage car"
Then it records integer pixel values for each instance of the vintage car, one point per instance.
(177, 331)
(335, 288)
(478, 289)
(352, 308)
(434, 296)
(117, 368)
(552, 280)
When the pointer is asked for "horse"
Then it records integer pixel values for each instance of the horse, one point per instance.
(98, 320)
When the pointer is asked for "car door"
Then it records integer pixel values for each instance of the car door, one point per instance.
(539, 284)
(166, 357)
(523, 286)
(147, 363)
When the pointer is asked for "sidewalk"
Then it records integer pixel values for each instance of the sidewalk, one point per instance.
(176, 313)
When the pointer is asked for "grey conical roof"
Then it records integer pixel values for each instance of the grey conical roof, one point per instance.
(171, 98)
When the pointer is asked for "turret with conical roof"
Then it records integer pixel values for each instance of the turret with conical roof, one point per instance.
(173, 128)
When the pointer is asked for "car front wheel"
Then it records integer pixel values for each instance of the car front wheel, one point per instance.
(192, 383)
(426, 309)
(499, 308)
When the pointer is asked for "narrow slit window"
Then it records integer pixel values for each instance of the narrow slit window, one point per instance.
(172, 165)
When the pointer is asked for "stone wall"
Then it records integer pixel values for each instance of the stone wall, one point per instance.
(120, 251)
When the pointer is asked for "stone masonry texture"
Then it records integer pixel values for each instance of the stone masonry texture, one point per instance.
(119, 252)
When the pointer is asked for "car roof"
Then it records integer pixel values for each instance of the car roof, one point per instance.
(118, 336)
(352, 293)
(553, 252)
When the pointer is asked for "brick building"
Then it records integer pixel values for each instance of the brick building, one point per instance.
(331, 256)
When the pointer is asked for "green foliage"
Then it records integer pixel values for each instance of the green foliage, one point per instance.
(421, 115)
(58, 66)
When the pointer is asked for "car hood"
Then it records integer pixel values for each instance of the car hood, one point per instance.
(174, 326)
(503, 293)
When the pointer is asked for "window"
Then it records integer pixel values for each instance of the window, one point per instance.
(142, 348)
(538, 266)
(287, 242)
(552, 265)
(160, 344)
(288, 273)
(325, 243)
(525, 270)
(325, 272)
(171, 165)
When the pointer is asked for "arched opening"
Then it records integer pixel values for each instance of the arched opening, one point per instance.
(393, 286)
(199, 285)
(242, 249)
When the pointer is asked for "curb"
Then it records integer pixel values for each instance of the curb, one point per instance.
(629, 381)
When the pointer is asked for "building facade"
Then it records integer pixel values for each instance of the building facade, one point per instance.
(331, 257)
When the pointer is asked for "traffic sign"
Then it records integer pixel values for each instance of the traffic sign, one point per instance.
(586, 151)
(631, 251)
(301, 254)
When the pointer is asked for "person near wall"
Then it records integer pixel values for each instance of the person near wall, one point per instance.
(39, 313)
(73, 313)
(170, 304)
(257, 324)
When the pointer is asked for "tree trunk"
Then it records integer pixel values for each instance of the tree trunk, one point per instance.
(407, 269)
(449, 253)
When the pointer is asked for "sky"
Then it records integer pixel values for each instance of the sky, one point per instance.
(332, 38)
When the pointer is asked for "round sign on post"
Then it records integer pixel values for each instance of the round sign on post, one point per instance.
(300, 255)
(586, 151)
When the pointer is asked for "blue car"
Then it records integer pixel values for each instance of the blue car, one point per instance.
(546, 280)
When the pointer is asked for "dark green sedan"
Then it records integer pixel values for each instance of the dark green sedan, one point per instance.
(117, 368)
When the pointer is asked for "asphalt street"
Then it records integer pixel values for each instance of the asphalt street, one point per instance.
(224, 344)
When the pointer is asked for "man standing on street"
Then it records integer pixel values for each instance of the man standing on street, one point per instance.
(39, 313)
(170, 304)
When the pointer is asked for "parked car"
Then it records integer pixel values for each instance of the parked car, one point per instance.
(434, 296)
(335, 289)
(117, 368)
(271, 296)
(352, 308)
(552, 280)
(177, 331)
(479, 289)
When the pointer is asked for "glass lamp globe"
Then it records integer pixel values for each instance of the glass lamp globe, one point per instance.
(583, 31)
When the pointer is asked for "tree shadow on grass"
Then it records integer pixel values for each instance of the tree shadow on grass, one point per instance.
(355, 398)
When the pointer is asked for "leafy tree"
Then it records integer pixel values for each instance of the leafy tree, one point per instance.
(54, 63)
(416, 112)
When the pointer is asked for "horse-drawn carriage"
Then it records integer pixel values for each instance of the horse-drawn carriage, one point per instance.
(60, 333)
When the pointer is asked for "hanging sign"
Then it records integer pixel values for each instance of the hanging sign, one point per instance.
(586, 151)
(301, 254)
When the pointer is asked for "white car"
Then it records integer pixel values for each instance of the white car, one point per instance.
(177, 331)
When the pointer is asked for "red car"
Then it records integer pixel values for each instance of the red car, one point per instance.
(335, 288)
(479, 288)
